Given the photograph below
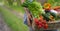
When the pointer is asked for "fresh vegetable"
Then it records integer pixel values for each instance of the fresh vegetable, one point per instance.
(35, 8)
(36, 21)
(45, 26)
(54, 15)
(46, 16)
(41, 23)
(47, 6)
(25, 4)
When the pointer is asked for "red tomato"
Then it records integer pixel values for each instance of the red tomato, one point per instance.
(44, 22)
(40, 23)
(45, 26)
(36, 21)
(39, 26)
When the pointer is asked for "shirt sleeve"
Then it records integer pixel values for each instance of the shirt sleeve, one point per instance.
(25, 19)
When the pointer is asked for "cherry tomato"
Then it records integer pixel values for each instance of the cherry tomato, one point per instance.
(39, 26)
(45, 26)
(44, 22)
(36, 21)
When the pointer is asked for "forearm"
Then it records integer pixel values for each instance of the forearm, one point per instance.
(28, 21)
(33, 25)
(28, 16)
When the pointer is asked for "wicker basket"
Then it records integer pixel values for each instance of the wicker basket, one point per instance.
(51, 25)
(54, 25)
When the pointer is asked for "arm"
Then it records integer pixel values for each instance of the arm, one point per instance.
(33, 25)
(28, 16)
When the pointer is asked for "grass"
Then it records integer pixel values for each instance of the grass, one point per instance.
(12, 21)
(16, 8)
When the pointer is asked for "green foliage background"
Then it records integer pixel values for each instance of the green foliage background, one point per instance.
(54, 2)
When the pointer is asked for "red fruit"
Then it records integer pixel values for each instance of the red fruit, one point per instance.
(40, 23)
(45, 26)
(39, 26)
(44, 22)
(36, 21)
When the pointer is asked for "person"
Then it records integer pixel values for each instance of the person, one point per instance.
(28, 18)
